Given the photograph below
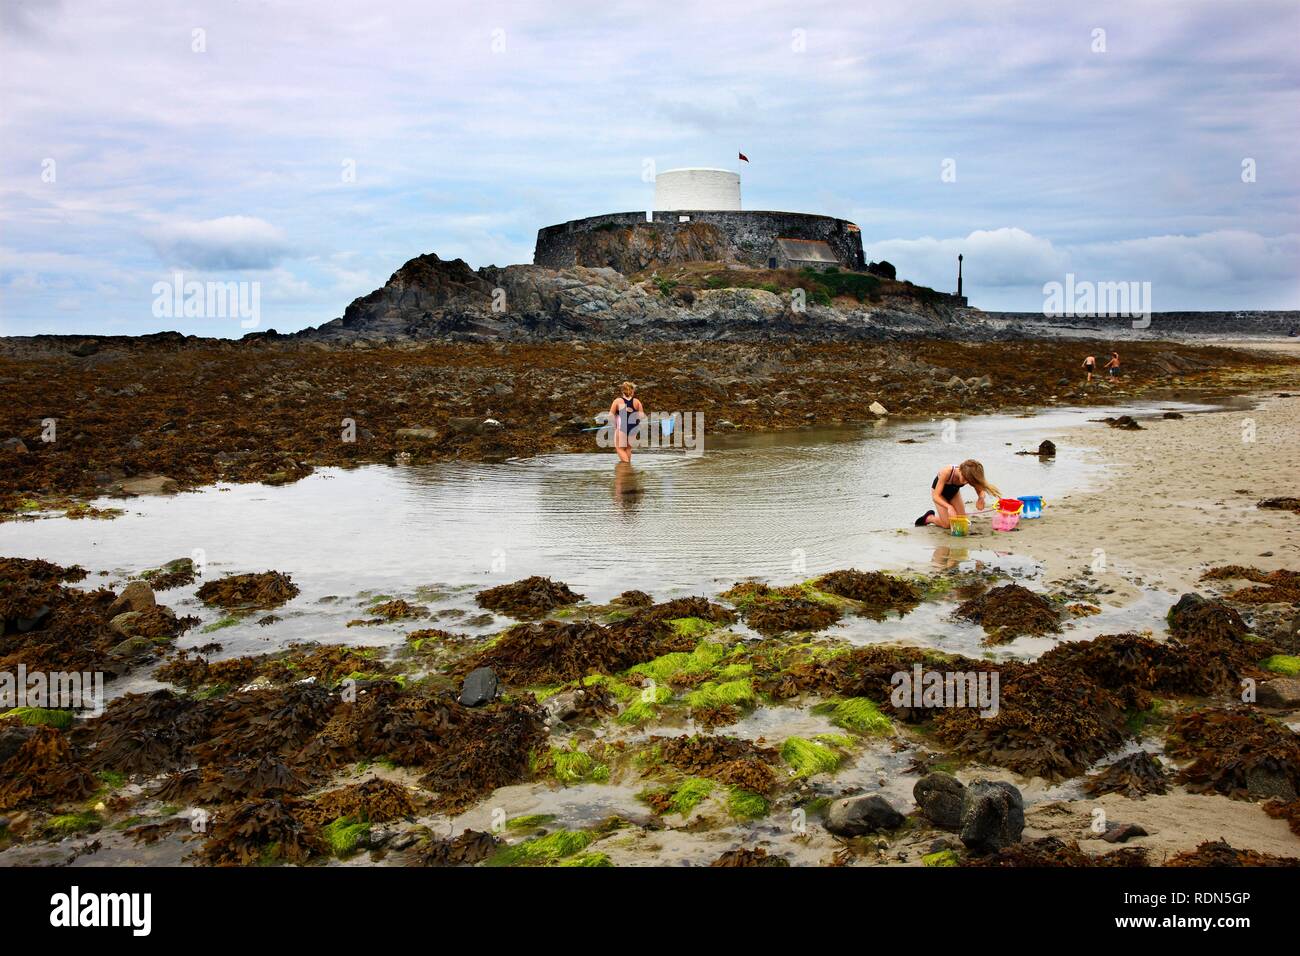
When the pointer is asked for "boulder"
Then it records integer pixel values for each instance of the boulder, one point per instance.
(151, 485)
(1122, 832)
(131, 647)
(480, 687)
(136, 596)
(122, 623)
(856, 816)
(418, 434)
(992, 816)
(461, 425)
(1046, 449)
(560, 707)
(1280, 692)
(16, 445)
(877, 409)
(939, 796)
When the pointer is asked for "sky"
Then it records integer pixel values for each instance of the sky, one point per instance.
(305, 150)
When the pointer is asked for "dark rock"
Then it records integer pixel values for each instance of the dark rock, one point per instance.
(480, 687)
(992, 816)
(939, 795)
(1263, 783)
(855, 816)
(1122, 832)
(1046, 449)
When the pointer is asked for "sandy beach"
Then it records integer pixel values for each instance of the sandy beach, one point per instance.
(1176, 497)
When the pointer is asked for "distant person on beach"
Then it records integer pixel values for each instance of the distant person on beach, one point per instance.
(1113, 364)
(1090, 365)
(627, 412)
(945, 492)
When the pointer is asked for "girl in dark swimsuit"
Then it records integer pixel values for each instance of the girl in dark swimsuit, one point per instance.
(626, 411)
(947, 499)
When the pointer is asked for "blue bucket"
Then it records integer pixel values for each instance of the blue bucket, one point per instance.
(1033, 506)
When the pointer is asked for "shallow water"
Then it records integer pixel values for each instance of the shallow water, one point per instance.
(783, 506)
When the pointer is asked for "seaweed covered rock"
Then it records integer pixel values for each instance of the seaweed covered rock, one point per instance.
(1134, 776)
(698, 607)
(37, 763)
(261, 832)
(464, 752)
(1196, 618)
(528, 599)
(744, 856)
(1269, 587)
(371, 801)
(46, 626)
(1053, 851)
(1236, 752)
(770, 618)
(992, 816)
(1011, 611)
(464, 849)
(729, 760)
(1050, 723)
(555, 652)
(249, 592)
(878, 593)
(1219, 853)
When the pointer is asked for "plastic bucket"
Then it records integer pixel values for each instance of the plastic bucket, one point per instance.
(1010, 506)
(959, 526)
(1033, 506)
(1004, 521)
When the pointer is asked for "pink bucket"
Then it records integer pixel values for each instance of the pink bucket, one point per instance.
(1002, 521)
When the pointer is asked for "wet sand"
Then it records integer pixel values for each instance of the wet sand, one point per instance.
(1176, 498)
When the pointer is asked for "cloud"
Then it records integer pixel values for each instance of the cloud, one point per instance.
(229, 243)
(1001, 257)
(1007, 268)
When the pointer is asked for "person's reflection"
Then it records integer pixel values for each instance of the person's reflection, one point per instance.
(627, 487)
(947, 557)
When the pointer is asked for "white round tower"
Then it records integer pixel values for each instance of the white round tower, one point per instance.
(697, 188)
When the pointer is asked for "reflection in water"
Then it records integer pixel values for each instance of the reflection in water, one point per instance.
(946, 557)
(628, 488)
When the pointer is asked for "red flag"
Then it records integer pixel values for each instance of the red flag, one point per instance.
(744, 157)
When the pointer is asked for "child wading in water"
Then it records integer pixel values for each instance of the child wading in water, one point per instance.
(627, 411)
(945, 492)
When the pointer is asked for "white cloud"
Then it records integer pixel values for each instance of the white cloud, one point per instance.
(1000, 257)
(226, 243)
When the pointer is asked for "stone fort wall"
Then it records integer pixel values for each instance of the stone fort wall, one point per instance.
(749, 233)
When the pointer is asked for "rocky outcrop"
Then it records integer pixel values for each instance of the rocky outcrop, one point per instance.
(430, 299)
